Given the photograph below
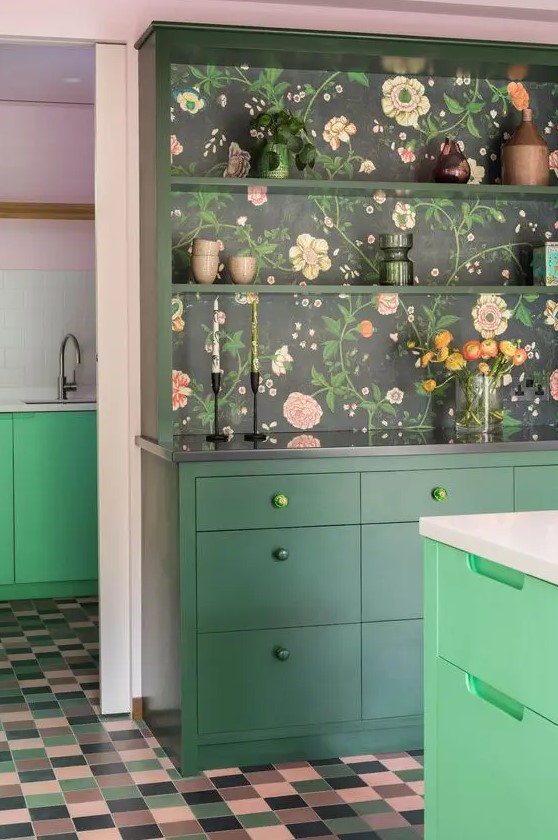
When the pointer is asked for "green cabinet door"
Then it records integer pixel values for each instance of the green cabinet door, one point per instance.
(391, 572)
(536, 488)
(6, 500)
(495, 771)
(392, 669)
(55, 496)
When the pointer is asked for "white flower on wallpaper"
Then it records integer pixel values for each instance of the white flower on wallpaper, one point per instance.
(490, 315)
(310, 256)
(338, 130)
(404, 101)
(404, 216)
(281, 361)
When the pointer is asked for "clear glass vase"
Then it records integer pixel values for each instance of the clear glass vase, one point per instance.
(478, 403)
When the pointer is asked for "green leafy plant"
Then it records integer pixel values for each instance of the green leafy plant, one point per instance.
(282, 127)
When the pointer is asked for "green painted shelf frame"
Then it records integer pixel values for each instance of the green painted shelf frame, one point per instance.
(166, 43)
(295, 289)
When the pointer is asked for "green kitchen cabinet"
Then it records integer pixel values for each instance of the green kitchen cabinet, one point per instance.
(391, 572)
(536, 488)
(6, 500)
(392, 669)
(55, 497)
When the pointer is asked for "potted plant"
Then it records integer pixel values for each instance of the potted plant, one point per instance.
(284, 135)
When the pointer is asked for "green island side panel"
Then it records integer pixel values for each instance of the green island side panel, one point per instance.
(6, 501)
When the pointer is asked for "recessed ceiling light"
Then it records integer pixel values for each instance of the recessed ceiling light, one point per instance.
(72, 80)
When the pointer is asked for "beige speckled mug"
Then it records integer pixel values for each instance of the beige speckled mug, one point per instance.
(204, 268)
(242, 269)
(205, 247)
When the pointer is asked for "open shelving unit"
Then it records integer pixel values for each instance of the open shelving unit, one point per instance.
(295, 289)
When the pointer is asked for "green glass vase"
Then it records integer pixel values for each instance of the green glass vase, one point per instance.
(396, 269)
(274, 161)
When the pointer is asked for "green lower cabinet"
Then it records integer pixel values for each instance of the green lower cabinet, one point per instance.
(392, 665)
(391, 572)
(496, 765)
(536, 488)
(282, 566)
(55, 497)
(278, 678)
(6, 500)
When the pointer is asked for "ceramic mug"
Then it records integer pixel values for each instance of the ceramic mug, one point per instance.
(242, 269)
(205, 247)
(204, 268)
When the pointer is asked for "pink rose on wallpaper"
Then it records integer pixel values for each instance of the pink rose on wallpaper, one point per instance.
(257, 195)
(553, 161)
(554, 384)
(302, 411)
(176, 146)
(180, 389)
(387, 304)
(406, 155)
(304, 442)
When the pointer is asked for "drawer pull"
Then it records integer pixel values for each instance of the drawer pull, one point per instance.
(281, 554)
(496, 698)
(281, 653)
(494, 571)
(280, 500)
(439, 494)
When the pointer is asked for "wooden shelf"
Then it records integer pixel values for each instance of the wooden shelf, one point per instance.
(315, 186)
(52, 212)
(229, 288)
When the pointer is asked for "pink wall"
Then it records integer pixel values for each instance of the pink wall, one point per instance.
(46, 155)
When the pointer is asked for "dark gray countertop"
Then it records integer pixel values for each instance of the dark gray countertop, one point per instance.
(343, 444)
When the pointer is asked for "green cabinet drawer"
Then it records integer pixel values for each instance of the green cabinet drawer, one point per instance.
(536, 488)
(500, 625)
(6, 500)
(495, 764)
(267, 501)
(55, 496)
(392, 665)
(391, 572)
(274, 678)
(280, 577)
(406, 496)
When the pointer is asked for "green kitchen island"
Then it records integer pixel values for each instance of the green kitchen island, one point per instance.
(491, 676)
(282, 587)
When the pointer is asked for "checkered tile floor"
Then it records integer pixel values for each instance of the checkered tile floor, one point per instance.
(66, 774)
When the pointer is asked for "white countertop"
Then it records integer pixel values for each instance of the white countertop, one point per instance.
(19, 406)
(526, 541)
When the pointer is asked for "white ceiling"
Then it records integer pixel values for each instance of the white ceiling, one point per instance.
(40, 73)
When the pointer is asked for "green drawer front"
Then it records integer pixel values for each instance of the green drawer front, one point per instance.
(406, 496)
(244, 685)
(496, 765)
(391, 572)
(501, 625)
(392, 669)
(536, 488)
(288, 577)
(234, 503)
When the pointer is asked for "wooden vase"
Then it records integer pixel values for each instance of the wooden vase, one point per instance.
(525, 156)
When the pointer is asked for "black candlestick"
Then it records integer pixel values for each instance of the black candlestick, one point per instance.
(216, 387)
(255, 384)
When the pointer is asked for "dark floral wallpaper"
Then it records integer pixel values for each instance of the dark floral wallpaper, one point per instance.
(341, 362)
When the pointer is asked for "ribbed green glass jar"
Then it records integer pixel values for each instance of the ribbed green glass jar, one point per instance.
(274, 162)
(396, 269)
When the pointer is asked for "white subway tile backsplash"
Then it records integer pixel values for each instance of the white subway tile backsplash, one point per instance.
(37, 308)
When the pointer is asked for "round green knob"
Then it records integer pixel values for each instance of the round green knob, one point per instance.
(281, 554)
(439, 494)
(280, 500)
(282, 654)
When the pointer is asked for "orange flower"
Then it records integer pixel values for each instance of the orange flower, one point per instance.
(455, 361)
(366, 329)
(484, 368)
(442, 339)
(520, 356)
(429, 385)
(507, 348)
(442, 354)
(518, 95)
(489, 348)
(426, 358)
(471, 350)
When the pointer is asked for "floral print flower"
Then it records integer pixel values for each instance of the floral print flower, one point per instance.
(302, 411)
(491, 315)
(407, 155)
(310, 256)
(338, 130)
(387, 303)
(367, 167)
(551, 314)
(366, 329)
(175, 147)
(304, 442)
(177, 308)
(403, 99)
(281, 361)
(190, 101)
(380, 197)
(180, 389)
(395, 396)
(404, 216)
(553, 162)
(477, 172)
(554, 384)
(518, 95)
(238, 165)
(257, 195)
